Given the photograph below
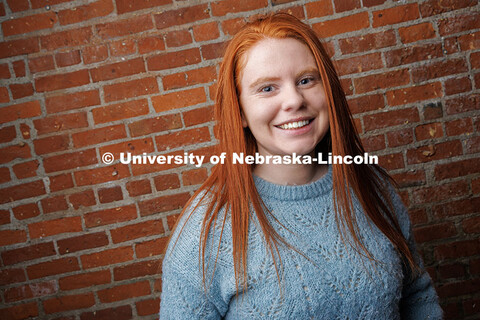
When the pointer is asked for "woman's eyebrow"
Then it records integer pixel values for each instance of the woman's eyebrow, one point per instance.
(309, 70)
(262, 80)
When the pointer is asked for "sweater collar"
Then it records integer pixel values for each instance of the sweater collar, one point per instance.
(268, 189)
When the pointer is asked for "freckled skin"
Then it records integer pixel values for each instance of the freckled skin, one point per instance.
(289, 89)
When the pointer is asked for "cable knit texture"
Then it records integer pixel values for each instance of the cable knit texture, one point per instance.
(331, 280)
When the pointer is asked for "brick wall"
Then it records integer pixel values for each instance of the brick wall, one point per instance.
(84, 240)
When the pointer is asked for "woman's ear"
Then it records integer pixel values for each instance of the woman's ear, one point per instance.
(244, 120)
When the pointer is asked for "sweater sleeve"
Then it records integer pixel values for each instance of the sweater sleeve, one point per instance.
(419, 299)
(183, 293)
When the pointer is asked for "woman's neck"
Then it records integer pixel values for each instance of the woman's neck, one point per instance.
(290, 174)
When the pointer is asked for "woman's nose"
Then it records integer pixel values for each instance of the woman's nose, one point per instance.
(292, 98)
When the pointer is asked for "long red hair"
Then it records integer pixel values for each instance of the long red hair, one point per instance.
(230, 187)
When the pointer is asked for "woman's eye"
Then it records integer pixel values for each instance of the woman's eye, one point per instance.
(306, 80)
(267, 89)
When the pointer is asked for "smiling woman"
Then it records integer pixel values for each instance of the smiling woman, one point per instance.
(291, 240)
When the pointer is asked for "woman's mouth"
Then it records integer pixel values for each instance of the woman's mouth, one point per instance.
(294, 124)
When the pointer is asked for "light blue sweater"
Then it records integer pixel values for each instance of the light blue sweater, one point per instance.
(334, 282)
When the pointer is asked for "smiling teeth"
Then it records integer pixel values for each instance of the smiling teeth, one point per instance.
(294, 125)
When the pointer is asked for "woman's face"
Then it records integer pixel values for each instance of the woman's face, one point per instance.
(282, 97)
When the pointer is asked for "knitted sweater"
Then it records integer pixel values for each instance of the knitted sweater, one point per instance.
(329, 281)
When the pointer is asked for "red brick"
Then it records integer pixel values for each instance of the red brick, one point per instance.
(149, 44)
(18, 47)
(22, 191)
(470, 41)
(135, 231)
(196, 176)
(179, 99)
(99, 135)
(189, 78)
(101, 175)
(440, 192)
(346, 5)
(5, 175)
(122, 47)
(213, 50)
(72, 101)
(390, 118)
(134, 147)
(54, 204)
(454, 270)
(41, 3)
(2, 10)
(136, 270)
(463, 104)
(459, 23)
(457, 249)
(4, 71)
(374, 143)
(120, 111)
(381, 81)
(81, 13)
(459, 127)
(171, 220)
(32, 252)
(360, 63)
(410, 178)
(197, 116)
(163, 203)
(18, 5)
(367, 42)
(82, 199)
(124, 6)
(32, 290)
(414, 94)
(20, 311)
(57, 226)
(417, 32)
(166, 182)
(53, 267)
(151, 248)
(178, 38)
(70, 160)
(107, 257)
(19, 68)
(433, 7)
(118, 70)
(456, 208)
(29, 23)
(429, 131)
(434, 232)
(457, 169)
(124, 27)
(231, 27)
(26, 211)
(117, 313)
(130, 89)
(107, 195)
(140, 169)
(395, 15)
(147, 307)
(432, 111)
(172, 60)
(11, 276)
(26, 169)
(4, 95)
(20, 111)
(439, 69)
(182, 138)
(8, 237)
(60, 123)
(25, 130)
(412, 53)
(458, 85)
(181, 16)
(350, 23)
(62, 81)
(139, 187)
(61, 182)
(71, 38)
(42, 63)
(110, 216)
(4, 219)
(471, 225)
(433, 152)
(83, 242)
(205, 32)
(94, 54)
(364, 103)
(20, 90)
(83, 280)
(11, 153)
(70, 58)
(223, 7)
(158, 124)
(66, 303)
(125, 291)
(472, 145)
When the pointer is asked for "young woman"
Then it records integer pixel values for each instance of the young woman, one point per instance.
(283, 240)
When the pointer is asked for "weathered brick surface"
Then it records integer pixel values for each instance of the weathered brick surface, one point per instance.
(85, 240)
